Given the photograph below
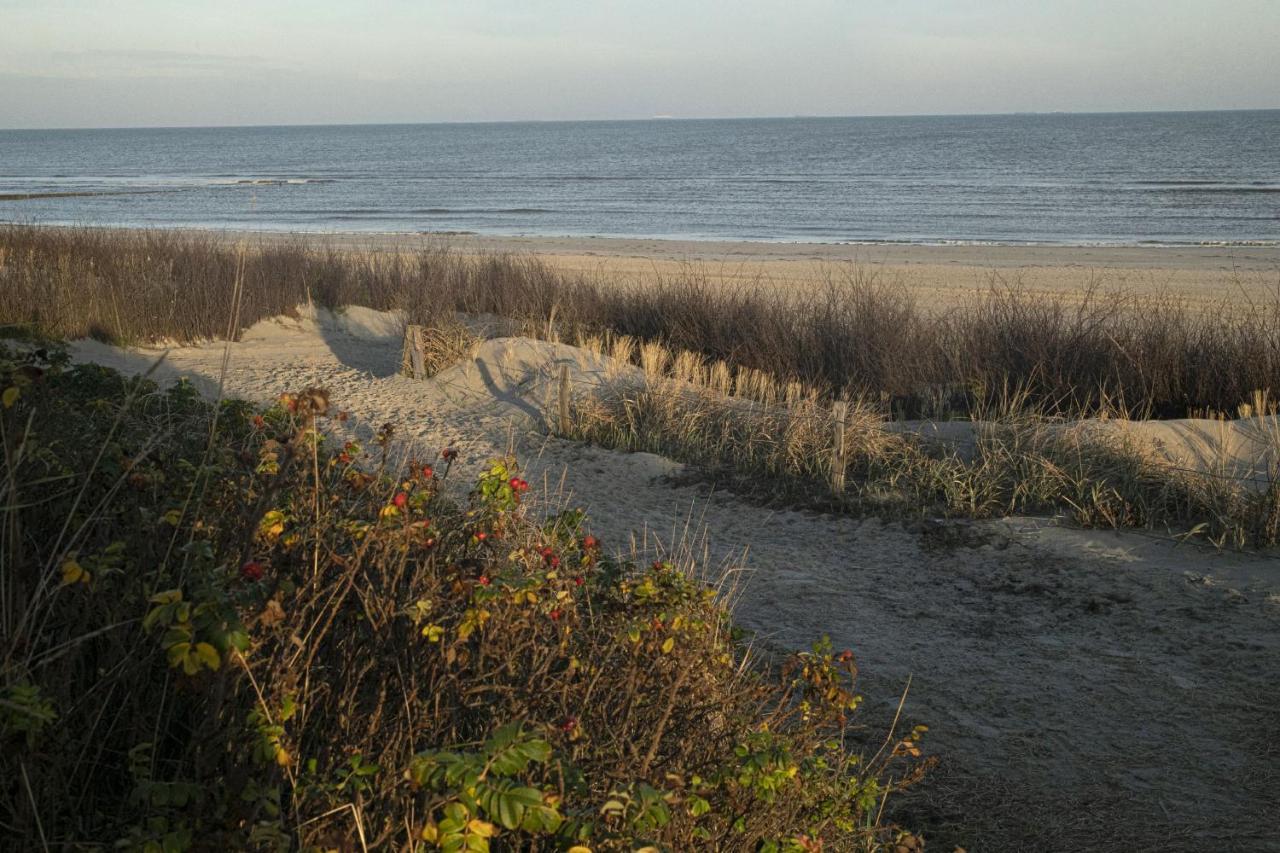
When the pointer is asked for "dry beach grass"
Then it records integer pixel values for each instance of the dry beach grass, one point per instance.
(1146, 354)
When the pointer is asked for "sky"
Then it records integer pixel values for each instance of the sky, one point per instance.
(122, 63)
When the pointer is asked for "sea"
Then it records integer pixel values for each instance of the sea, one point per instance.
(1059, 179)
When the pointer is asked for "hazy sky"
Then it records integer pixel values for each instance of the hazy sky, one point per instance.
(79, 63)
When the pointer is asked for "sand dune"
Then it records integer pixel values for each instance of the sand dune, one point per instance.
(1076, 683)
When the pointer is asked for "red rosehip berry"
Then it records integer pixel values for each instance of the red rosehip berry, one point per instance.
(449, 454)
(484, 580)
(252, 571)
(481, 536)
(259, 422)
(569, 724)
(555, 615)
(591, 543)
(400, 500)
(577, 581)
(428, 472)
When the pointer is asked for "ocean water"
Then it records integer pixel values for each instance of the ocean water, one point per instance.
(1143, 178)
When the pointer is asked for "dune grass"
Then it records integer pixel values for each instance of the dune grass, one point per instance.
(778, 440)
(219, 632)
(766, 367)
(857, 336)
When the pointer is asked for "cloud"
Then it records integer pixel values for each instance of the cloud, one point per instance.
(99, 64)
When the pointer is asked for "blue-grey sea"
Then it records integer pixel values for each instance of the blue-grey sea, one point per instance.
(1138, 178)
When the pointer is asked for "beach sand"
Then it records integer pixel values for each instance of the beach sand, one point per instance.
(1084, 689)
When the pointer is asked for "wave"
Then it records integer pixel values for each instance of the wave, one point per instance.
(1196, 187)
(444, 211)
(1195, 182)
(231, 180)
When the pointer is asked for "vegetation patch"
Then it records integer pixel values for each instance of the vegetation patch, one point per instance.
(218, 631)
(785, 442)
(856, 336)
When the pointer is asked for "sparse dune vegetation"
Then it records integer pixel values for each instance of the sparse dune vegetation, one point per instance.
(746, 380)
(1101, 351)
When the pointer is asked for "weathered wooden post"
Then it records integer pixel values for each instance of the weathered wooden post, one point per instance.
(839, 414)
(411, 359)
(564, 399)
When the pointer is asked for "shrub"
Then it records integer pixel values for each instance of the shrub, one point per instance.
(219, 632)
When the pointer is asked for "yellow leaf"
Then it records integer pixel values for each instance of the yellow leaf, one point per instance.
(72, 572)
(177, 653)
(282, 756)
(430, 833)
(433, 633)
(668, 645)
(10, 396)
(272, 524)
(208, 655)
(481, 828)
(578, 848)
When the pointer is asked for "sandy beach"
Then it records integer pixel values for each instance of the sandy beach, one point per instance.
(936, 275)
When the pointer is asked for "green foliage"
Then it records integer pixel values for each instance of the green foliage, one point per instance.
(220, 633)
(480, 791)
(24, 712)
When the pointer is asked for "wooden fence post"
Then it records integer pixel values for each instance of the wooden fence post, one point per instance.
(411, 358)
(564, 399)
(839, 414)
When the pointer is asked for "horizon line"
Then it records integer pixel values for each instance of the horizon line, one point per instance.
(654, 118)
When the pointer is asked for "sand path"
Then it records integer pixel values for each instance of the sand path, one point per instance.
(1085, 690)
